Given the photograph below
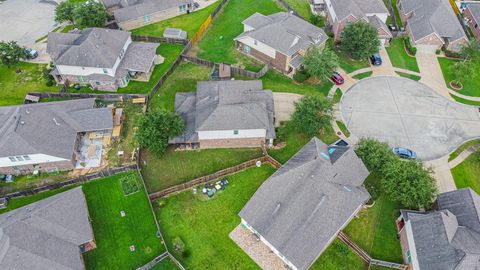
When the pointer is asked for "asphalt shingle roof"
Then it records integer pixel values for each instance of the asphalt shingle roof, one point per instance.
(475, 10)
(357, 8)
(130, 10)
(304, 204)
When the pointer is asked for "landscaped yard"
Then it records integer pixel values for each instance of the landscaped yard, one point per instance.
(466, 173)
(115, 234)
(462, 148)
(217, 43)
(471, 86)
(465, 101)
(278, 82)
(375, 229)
(15, 85)
(399, 57)
(302, 7)
(187, 22)
(338, 256)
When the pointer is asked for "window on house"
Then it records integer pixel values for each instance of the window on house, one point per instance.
(147, 18)
(246, 49)
(105, 71)
(19, 158)
(255, 42)
(12, 159)
(97, 83)
(235, 132)
(183, 8)
(409, 257)
(27, 157)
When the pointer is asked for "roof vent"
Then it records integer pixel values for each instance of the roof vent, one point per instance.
(27, 111)
(56, 123)
(22, 122)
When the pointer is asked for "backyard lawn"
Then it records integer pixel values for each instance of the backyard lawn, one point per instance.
(471, 86)
(26, 182)
(114, 234)
(375, 229)
(466, 173)
(187, 22)
(165, 264)
(338, 256)
(399, 56)
(302, 7)
(217, 43)
(14, 86)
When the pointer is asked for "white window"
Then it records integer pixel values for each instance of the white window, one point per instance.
(255, 42)
(12, 159)
(246, 49)
(27, 158)
(105, 71)
(183, 8)
(147, 18)
(19, 158)
(235, 132)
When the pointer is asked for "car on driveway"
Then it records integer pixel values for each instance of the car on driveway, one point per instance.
(337, 78)
(376, 60)
(31, 53)
(404, 153)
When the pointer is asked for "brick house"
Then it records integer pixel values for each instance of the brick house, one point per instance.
(103, 59)
(46, 136)
(472, 14)
(432, 25)
(280, 40)
(341, 12)
(226, 114)
(299, 210)
(446, 238)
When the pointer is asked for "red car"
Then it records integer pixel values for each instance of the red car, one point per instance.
(337, 78)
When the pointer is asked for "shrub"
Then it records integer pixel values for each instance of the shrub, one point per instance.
(317, 20)
(178, 245)
(301, 76)
(437, 51)
(410, 49)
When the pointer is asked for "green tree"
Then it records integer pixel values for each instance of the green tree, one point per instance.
(155, 128)
(408, 182)
(461, 71)
(90, 14)
(317, 20)
(64, 12)
(320, 63)
(471, 50)
(360, 40)
(312, 114)
(374, 154)
(11, 53)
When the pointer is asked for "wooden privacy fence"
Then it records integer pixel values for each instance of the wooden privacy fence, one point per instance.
(159, 39)
(210, 177)
(235, 70)
(79, 180)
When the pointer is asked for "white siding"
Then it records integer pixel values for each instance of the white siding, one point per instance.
(35, 159)
(328, 3)
(411, 246)
(261, 47)
(229, 134)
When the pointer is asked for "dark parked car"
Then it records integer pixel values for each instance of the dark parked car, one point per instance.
(376, 59)
(404, 153)
(337, 78)
(31, 53)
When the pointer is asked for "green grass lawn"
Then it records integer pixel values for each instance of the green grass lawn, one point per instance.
(345, 62)
(466, 173)
(343, 128)
(204, 224)
(295, 141)
(165, 264)
(187, 22)
(217, 43)
(395, 10)
(465, 101)
(399, 56)
(26, 182)
(471, 86)
(409, 76)
(338, 256)
(302, 7)
(462, 148)
(375, 229)
(278, 82)
(177, 167)
(115, 234)
(14, 86)
(338, 96)
(363, 75)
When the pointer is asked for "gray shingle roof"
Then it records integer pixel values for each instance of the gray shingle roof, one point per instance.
(304, 204)
(139, 56)
(284, 32)
(92, 47)
(357, 8)
(136, 9)
(46, 234)
(449, 238)
(475, 10)
(225, 105)
(31, 129)
(432, 16)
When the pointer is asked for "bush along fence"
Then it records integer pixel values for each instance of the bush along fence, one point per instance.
(235, 70)
(214, 176)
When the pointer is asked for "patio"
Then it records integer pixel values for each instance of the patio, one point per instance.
(90, 150)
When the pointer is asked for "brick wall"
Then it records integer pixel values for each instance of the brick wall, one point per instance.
(49, 166)
(232, 143)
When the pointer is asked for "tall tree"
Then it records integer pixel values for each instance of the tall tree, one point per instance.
(461, 71)
(320, 63)
(64, 12)
(360, 39)
(374, 154)
(90, 14)
(11, 53)
(471, 50)
(312, 114)
(155, 128)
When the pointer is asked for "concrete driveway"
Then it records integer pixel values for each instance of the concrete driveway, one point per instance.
(431, 72)
(406, 113)
(284, 106)
(26, 20)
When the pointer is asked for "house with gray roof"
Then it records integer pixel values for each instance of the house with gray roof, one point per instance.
(103, 59)
(299, 210)
(279, 40)
(341, 12)
(472, 14)
(130, 14)
(222, 114)
(446, 238)
(42, 137)
(432, 25)
(48, 234)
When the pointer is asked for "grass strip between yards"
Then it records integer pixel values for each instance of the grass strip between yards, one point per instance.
(302, 7)
(363, 75)
(343, 128)
(462, 148)
(465, 101)
(187, 22)
(337, 96)
(471, 86)
(408, 76)
(466, 173)
(399, 57)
